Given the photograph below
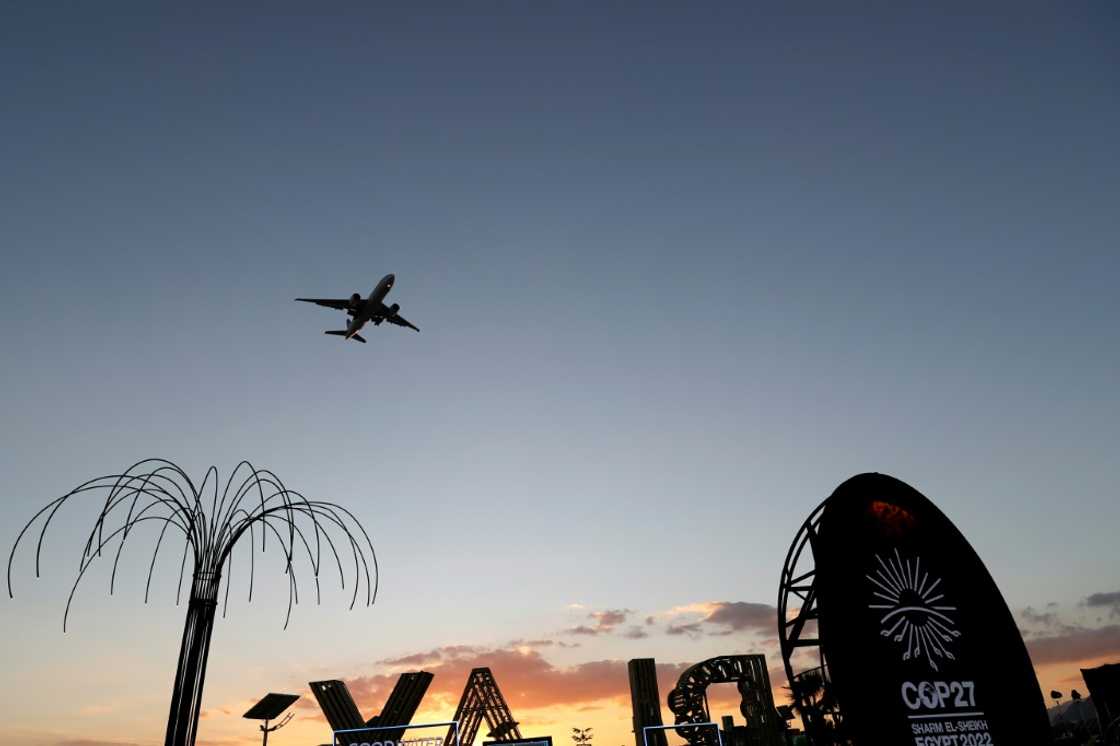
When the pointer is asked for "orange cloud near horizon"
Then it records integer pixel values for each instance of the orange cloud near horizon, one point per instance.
(550, 699)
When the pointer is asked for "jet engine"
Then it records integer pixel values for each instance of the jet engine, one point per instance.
(355, 299)
(394, 308)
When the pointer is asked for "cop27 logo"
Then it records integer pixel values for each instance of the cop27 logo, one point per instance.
(913, 611)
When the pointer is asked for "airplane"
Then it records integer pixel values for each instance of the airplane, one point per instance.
(372, 309)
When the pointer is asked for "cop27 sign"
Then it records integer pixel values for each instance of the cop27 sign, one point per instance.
(920, 646)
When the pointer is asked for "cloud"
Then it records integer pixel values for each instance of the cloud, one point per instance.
(610, 617)
(692, 629)
(541, 644)
(428, 658)
(1036, 617)
(415, 659)
(701, 607)
(526, 678)
(88, 710)
(1045, 619)
(605, 622)
(1103, 599)
(721, 618)
(1110, 601)
(1075, 645)
(777, 675)
(743, 615)
(530, 683)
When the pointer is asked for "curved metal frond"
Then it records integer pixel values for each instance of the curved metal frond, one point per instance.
(159, 491)
(213, 517)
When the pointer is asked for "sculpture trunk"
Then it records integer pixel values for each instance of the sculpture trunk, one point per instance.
(186, 698)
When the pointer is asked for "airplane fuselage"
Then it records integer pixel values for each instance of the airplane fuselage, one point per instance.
(370, 308)
(363, 310)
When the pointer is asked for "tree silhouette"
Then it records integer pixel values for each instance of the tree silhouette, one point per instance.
(158, 492)
(811, 692)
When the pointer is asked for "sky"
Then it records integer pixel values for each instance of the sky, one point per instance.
(680, 270)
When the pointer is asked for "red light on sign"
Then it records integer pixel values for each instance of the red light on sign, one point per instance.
(891, 518)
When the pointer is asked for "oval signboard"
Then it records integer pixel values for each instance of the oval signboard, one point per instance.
(920, 645)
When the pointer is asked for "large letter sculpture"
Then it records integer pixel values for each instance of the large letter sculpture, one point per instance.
(482, 699)
(689, 700)
(645, 702)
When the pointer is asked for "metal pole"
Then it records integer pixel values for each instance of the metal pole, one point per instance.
(186, 698)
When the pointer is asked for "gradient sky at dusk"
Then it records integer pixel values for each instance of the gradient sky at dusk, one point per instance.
(680, 270)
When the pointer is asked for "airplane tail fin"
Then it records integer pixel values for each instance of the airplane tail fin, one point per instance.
(343, 333)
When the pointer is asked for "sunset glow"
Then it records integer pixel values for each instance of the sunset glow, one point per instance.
(672, 272)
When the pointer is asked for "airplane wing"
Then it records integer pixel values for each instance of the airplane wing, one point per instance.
(340, 303)
(400, 321)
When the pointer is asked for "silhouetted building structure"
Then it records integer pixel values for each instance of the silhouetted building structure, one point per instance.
(1075, 717)
(1104, 689)
(742, 735)
(645, 702)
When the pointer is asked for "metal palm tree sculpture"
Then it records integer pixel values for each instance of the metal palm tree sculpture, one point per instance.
(252, 501)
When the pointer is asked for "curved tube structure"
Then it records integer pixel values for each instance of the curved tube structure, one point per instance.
(212, 519)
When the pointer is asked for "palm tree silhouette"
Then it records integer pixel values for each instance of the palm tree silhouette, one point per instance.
(158, 492)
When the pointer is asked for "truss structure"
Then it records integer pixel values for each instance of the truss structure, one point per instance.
(798, 617)
(483, 700)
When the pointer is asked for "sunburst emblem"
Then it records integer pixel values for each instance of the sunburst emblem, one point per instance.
(908, 597)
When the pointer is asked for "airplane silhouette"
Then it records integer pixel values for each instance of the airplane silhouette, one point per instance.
(361, 311)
